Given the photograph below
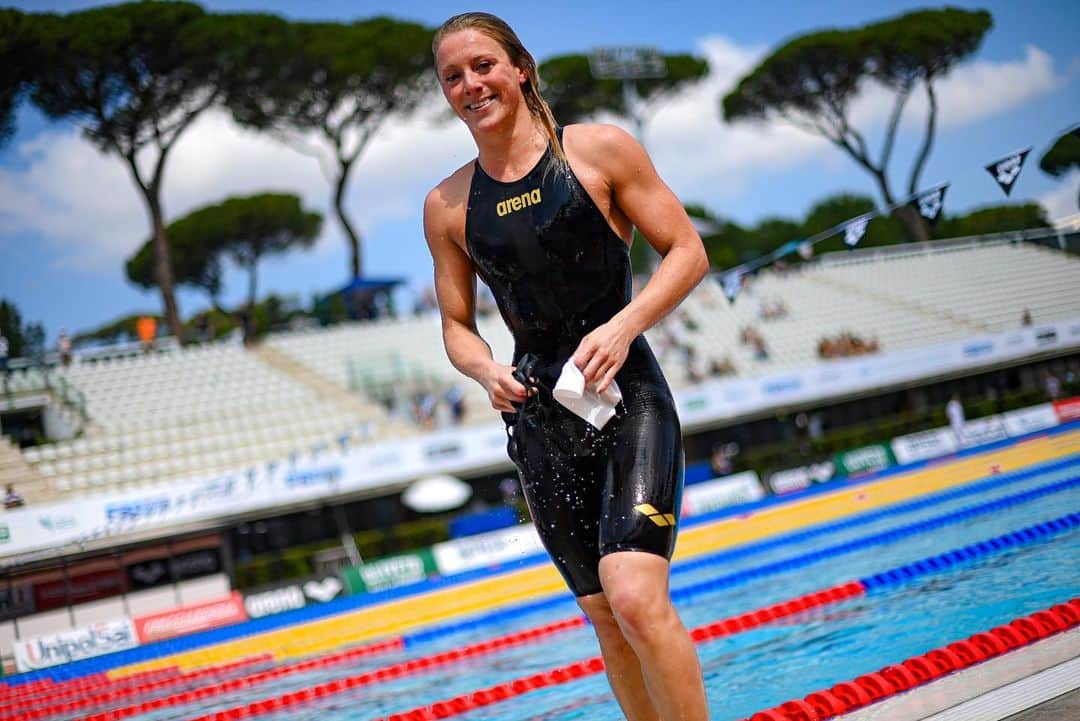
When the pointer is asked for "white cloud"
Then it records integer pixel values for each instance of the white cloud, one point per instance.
(86, 206)
(699, 154)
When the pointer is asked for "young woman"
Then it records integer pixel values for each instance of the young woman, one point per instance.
(545, 217)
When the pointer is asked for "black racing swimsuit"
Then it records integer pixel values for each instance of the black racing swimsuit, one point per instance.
(558, 271)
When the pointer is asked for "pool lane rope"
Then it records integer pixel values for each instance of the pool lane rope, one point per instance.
(85, 698)
(71, 675)
(896, 678)
(563, 674)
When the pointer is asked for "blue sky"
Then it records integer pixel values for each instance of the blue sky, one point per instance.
(69, 216)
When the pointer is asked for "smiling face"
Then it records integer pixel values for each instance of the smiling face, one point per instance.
(479, 80)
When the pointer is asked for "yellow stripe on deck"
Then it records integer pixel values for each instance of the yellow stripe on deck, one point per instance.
(403, 615)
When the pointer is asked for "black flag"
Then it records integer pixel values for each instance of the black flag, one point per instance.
(930, 203)
(1007, 170)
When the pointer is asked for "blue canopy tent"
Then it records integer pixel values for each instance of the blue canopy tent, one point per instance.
(359, 299)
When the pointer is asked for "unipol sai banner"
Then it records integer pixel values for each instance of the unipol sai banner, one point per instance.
(94, 640)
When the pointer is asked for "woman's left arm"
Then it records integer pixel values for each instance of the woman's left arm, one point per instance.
(638, 192)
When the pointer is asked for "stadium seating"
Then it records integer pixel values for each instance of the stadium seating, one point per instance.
(219, 407)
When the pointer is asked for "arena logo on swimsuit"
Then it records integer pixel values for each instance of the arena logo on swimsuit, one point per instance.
(518, 202)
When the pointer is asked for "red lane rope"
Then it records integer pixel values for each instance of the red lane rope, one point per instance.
(108, 691)
(891, 680)
(500, 692)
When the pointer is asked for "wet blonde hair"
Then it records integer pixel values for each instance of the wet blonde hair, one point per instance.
(497, 29)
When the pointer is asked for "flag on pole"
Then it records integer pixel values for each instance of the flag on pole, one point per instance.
(1006, 170)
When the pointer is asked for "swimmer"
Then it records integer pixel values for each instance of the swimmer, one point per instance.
(544, 216)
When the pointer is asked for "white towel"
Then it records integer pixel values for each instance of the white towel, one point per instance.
(596, 408)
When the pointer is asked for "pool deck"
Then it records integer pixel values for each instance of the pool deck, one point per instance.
(1035, 683)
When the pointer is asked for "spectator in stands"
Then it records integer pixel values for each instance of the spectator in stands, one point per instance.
(12, 499)
(4, 349)
(954, 411)
(772, 308)
(721, 367)
(146, 329)
(721, 460)
(694, 373)
(455, 399)
(1025, 318)
(63, 347)
(1053, 387)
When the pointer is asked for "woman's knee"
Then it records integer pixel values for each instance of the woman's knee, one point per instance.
(639, 607)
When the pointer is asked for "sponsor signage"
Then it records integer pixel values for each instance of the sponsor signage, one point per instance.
(16, 601)
(860, 461)
(190, 619)
(983, 430)
(493, 548)
(361, 468)
(721, 492)
(1068, 409)
(924, 445)
(292, 596)
(160, 571)
(58, 648)
(1029, 420)
(390, 572)
(796, 479)
(79, 587)
(277, 600)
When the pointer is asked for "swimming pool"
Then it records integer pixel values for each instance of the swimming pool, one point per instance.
(754, 668)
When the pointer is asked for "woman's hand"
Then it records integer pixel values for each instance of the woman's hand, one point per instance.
(602, 353)
(502, 388)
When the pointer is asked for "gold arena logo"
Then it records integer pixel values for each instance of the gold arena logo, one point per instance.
(529, 197)
(660, 519)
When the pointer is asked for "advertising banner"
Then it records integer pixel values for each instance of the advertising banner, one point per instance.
(983, 430)
(924, 445)
(797, 479)
(1029, 420)
(288, 597)
(1067, 409)
(57, 648)
(721, 492)
(861, 461)
(389, 572)
(505, 545)
(190, 619)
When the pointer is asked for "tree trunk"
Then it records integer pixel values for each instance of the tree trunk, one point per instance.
(163, 270)
(351, 235)
(917, 228)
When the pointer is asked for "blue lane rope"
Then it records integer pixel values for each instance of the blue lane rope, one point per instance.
(781, 566)
(943, 561)
(874, 539)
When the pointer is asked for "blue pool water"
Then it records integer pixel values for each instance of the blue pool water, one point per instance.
(762, 667)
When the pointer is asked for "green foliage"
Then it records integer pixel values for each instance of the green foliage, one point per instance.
(243, 228)
(1063, 155)
(116, 331)
(340, 82)
(819, 73)
(574, 94)
(995, 219)
(812, 80)
(734, 244)
(18, 64)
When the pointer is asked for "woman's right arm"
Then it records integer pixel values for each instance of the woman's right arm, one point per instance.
(455, 289)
